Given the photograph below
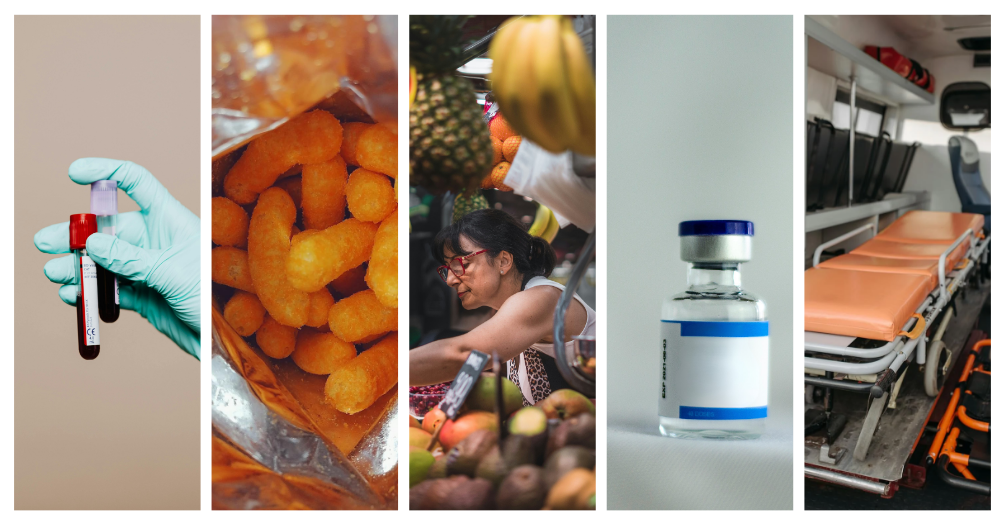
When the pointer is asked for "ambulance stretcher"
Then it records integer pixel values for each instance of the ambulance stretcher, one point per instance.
(868, 315)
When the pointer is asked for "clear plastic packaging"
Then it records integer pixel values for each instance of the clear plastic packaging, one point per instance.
(276, 443)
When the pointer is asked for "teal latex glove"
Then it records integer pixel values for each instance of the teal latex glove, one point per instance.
(157, 248)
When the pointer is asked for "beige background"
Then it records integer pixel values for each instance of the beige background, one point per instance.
(122, 431)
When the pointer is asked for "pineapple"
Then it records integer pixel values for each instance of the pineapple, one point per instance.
(467, 203)
(449, 144)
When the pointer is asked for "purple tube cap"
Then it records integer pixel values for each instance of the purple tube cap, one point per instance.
(105, 197)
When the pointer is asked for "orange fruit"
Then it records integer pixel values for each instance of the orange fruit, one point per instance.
(497, 151)
(510, 146)
(487, 182)
(500, 129)
(499, 175)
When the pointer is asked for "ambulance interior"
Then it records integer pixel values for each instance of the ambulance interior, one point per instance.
(898, 231)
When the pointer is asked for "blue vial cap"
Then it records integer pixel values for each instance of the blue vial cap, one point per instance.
(689, 228)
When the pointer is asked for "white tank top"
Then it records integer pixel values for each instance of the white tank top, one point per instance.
(548, 348)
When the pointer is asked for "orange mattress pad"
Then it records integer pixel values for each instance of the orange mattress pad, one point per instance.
(873, 305)
(878, 247)
(931, 227)
(868, 263)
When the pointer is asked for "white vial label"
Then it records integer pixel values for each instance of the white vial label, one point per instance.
(89, 294)
(714, 370)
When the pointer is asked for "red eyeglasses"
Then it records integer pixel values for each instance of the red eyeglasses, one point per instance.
(456, 266)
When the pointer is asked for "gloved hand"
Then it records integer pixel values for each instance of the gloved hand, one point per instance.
(157, 248)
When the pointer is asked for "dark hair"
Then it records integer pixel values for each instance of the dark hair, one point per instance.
(497, 231)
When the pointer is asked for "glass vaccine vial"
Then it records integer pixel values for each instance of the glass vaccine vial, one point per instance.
(82, 225)
(105, 205)
(714, 340)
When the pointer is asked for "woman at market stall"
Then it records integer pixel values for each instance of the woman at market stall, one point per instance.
(490, 260)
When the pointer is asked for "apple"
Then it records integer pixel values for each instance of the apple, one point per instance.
(434, 418)
(483, 395)
(419, 438)
(566, 403)
(455, 431)
(413, 423)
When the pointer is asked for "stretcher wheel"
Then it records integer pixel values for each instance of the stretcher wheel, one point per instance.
(936, 366)
(876, 408)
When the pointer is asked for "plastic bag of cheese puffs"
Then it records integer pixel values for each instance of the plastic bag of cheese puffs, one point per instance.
(304, 262)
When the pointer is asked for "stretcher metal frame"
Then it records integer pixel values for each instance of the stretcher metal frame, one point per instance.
(881, 368)
(942, 452)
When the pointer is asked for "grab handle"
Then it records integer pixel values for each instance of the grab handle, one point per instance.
(919, 327)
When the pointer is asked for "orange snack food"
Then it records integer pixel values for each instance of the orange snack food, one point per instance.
(372, 146)
(352, 281)
(360, 315)
(276, 340)
(382, 272)
(510, 147)
(351, 131)
(318, 257)
(357, 384)
(306, 139)
(244, 312)
(324, 187)
(292, 185)
(499, 175)
(230, 268)
(268, 251)
(370, 195)
(321, 302)
(497, 151)
(230, 223)
(321, 352)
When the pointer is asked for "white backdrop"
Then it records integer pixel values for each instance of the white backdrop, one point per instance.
(699, 127)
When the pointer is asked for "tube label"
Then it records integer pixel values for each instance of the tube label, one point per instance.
(110, 230)
(714, 370)
(89, 294)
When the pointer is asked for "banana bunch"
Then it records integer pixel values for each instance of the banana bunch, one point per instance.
(545, 224)
(543, 82)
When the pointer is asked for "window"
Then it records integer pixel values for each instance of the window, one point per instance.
(932, 133)
(869, 117)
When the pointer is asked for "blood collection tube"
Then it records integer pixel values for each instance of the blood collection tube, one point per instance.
(105, 205)
(82, 225)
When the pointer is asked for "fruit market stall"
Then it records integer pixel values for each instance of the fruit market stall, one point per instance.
(502, 117)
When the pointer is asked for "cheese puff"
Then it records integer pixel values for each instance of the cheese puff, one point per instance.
(351, 281)
(321, 302)
(361, 315)
(370, 195)
(324, 187)
(295, 170)
(293, 186)
(382, 272)
(230, 268)
(230, 223)
(370, 338)
(357, 384)
(371, 146)
(276, 340)
(321, 352)
(244, 312)
(268, 251)
(307, 139)
(318, 257)
(351, 132)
